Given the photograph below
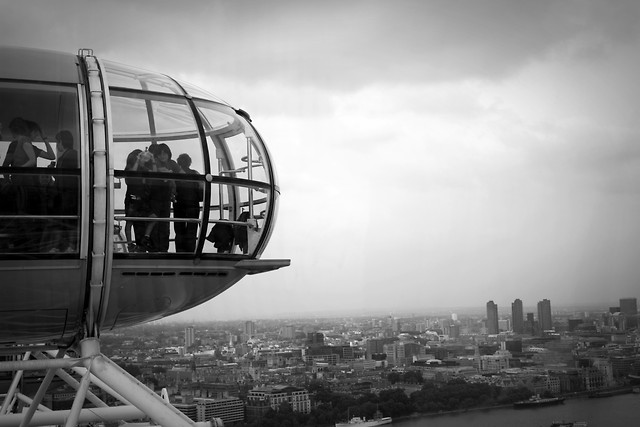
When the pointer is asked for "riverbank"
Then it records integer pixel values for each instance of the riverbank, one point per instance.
(576, 395)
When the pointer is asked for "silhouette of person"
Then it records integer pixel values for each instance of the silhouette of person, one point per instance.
(162, 191)
(187, 205)
(23, 155)
(36, 131)
(137, 201)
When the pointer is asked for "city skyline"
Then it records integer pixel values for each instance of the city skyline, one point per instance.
(589, 356)
(429, 153)
(444, 313)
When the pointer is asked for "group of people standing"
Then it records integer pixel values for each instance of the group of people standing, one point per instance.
(27, 195)
(39, 194)
(151, 198)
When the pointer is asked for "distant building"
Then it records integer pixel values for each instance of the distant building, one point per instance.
(212, 390)
(230, 410)
(190, 409)
(402, 352)
(362, 364)
(530, 324)
(288, 332)
(504, 325)
(545, 321)
(594, 378)
(331, 354)
(315, 339)
(629, 307)
(395, 325)
(492, 318)
(494, 363)
(261, 399)
(446, 327)
(455, 331)
(513, 346)
(250, 329)
(517, 316)
(189, 337)
(376, 345)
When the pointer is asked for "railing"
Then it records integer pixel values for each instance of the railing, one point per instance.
(31, 224)
(36, 215)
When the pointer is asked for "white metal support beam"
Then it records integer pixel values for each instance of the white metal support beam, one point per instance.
(96, 369)
(9, 398)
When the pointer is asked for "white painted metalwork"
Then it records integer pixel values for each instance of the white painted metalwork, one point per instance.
(137, 401)
(100, 193)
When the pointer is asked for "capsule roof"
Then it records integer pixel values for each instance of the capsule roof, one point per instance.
(39, 65)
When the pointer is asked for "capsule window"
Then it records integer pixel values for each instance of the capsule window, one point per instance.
(40, 172)
(217, 202)
(155, 135)
(124, 76)
(239, 190)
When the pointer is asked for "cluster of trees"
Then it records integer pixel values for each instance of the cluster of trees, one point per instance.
(409, 377)
(432, 398)
(459, 394)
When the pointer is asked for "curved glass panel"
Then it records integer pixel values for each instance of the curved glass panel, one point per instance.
(151, 118)
(40, 172)
(154, 134)
(196, 92)
(124, 76)
(236, 153)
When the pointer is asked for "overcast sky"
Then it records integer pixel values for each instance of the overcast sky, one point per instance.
(430, 153)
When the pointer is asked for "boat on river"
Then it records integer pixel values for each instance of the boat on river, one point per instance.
(363, 422)
(377, 420)
(534, 401)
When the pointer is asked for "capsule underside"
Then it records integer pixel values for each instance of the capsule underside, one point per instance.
(161, 196)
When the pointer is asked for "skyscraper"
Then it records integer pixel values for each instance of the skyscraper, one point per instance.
(492, 318)
(545, 321)
(629, 307)
(517, 316)
(250, 328)
(189, 337)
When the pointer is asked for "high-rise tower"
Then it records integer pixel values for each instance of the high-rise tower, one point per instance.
(250, 328)
(629, 307)
(492, 318)
(545, 321)
(517, 316)
(189, 337)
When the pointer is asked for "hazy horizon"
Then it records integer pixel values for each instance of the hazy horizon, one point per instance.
(503, 311)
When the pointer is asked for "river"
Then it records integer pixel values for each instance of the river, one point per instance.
(615, 411)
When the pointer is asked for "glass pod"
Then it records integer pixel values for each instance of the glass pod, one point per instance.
(131, 195)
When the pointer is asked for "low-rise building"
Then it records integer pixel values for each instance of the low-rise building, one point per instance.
(494, 363)
(261, 399)
(229, 410)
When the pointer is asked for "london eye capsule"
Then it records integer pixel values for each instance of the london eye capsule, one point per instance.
(125, 196)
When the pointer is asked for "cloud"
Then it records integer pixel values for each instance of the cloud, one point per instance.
(333, 45)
